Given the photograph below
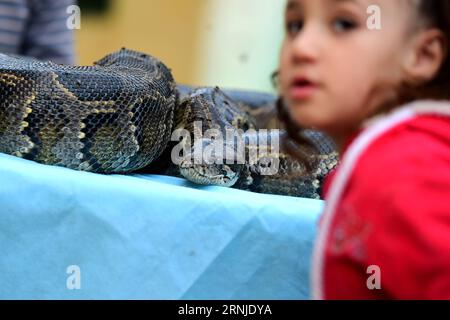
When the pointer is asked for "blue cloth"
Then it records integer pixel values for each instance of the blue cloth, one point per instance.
(147, 237)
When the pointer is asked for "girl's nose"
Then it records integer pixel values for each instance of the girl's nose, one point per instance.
(305, 45)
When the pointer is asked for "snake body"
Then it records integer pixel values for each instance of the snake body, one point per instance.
(118, 116)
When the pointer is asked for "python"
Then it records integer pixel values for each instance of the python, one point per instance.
(118, 116)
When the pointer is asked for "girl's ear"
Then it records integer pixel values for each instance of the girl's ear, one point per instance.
(426, 57)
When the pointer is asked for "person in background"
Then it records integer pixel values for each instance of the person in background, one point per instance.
(37, 28)
(383, 95)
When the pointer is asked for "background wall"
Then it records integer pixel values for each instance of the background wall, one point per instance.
(230, 43)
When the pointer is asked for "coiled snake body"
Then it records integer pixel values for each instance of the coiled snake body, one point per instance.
(118, 116)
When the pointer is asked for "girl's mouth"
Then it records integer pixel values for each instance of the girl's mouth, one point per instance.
(302, 88)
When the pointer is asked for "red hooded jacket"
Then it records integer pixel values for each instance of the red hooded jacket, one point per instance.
(385, 232)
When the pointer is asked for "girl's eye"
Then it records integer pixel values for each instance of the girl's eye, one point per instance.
(343, 25)
(294, 27)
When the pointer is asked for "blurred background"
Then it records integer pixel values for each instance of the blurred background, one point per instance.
(230, 43)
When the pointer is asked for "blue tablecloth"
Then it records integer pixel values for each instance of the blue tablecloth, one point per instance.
(147, 237)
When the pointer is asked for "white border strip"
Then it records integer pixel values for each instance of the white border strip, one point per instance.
(374, 129)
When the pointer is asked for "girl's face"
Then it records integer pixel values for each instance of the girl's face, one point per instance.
(334, 70)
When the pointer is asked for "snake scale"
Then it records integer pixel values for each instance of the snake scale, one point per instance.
(119, 116)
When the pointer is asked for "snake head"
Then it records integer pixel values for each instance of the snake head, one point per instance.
(205, 165)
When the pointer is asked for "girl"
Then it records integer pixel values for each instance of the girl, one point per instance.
(383, 97)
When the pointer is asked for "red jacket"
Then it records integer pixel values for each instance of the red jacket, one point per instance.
(387, 216)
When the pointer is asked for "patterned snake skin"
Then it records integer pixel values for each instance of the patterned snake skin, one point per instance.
(118, 116)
